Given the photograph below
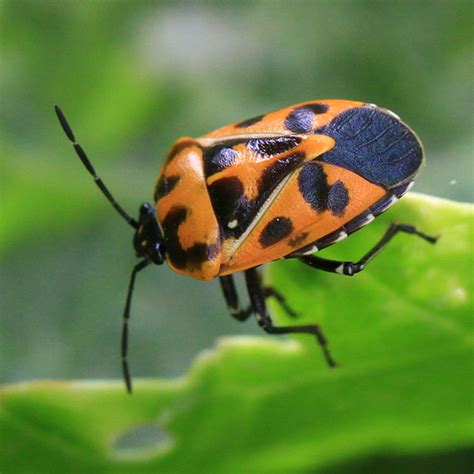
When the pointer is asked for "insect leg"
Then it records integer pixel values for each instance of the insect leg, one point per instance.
(351, 268)
(126, 317)
(257, 300)
(232, 299)
(230, 294)
(269, 291)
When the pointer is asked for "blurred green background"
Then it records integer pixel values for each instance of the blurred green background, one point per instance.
(132, 77)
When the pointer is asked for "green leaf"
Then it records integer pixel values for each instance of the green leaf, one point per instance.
(401, 399)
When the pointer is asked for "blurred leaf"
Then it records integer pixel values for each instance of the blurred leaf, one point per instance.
(401, 330)
(419, 292)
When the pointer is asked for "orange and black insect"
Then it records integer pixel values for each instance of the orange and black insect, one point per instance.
(281, 185)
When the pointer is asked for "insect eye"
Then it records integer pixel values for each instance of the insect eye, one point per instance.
(145, 208)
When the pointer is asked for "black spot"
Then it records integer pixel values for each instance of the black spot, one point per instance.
(297, 240)
(229, 203)
(200, 253)
(276, 230)
(373, 144)
(249, 122)
(191, 258)
(313, 186)
(300, 120)
(317, 108)
(272, 146)
(178, 147)
(170, 225)
(217, 158)
(338, 198)
(165, 185)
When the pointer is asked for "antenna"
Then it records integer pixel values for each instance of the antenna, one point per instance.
(86, 162)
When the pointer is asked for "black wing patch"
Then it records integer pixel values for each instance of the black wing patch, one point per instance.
(221, 156)
(217, 158)
(273, 146)
(374, 144)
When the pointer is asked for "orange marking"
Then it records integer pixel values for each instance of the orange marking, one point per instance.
(201, 224)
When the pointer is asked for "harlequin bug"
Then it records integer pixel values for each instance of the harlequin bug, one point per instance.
(281, 185)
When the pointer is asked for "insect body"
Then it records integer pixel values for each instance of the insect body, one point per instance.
(281, 185)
